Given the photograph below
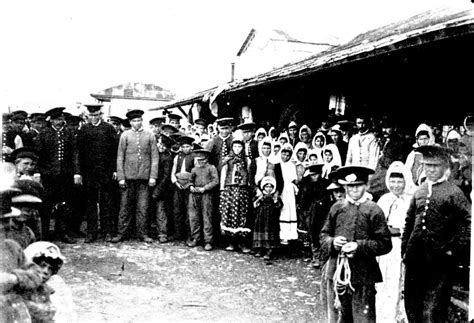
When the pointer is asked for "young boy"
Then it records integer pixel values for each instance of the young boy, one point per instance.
(354, 234)
(204, 179)
(183, 163)
(49, 259)
(162, 192)
(313, 206)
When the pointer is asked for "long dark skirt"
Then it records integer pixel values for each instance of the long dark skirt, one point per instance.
(266, 232)
(233, 208)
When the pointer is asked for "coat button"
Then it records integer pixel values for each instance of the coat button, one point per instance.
(424, 227)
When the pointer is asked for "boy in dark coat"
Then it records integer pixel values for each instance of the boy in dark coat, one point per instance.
(435, 239)
(204, 179)
(183, 163)
(354, 234)
(162, 193)
(313, 207)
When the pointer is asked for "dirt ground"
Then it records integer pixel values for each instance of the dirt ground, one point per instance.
(137, 282)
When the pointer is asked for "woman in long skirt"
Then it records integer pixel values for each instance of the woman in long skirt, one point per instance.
(234, 196)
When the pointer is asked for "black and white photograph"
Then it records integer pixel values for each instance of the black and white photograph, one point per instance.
(236, 161)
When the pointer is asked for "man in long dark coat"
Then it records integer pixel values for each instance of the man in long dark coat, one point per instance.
(58, 166)
(435, 239)
(97, 151)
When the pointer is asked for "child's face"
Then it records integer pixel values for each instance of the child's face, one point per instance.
(328, 156)
(260, 136)
(266, 150)
(46, 270)
(423, 140)
(313, 158)
(396, 185)
(276, 149)
(304, 136)
(202, 162)
(283, 141)
(319, 142)
(268, 188)
(237, 148)
(285, 156)
(301, 154)
(186, 149)
(315, 177)
(339, 194)
(356, 191)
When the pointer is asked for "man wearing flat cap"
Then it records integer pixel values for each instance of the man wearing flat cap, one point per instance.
(251, 144)
(137, 171)
(58, 165)
(174, 120)
(97, 156)
(435, 240)
(354, 234)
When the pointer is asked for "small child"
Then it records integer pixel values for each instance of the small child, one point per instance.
(313, 206)
(204, 178)
(266, 233)
(49, 259)
(183, 163)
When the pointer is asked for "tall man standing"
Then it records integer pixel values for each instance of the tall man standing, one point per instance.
(97, 149)
(363, 147)
(435, 239)
(137, 169)
(58, 165)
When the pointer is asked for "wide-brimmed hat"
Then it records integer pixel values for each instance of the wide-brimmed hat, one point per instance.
(353, 175)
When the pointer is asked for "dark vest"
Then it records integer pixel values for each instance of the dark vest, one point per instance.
(189, 162)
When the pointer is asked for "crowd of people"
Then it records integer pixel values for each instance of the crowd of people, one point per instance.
(374, 209)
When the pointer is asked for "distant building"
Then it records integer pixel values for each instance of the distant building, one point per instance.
(119, 99)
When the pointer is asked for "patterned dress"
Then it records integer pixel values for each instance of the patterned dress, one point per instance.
(234, 198)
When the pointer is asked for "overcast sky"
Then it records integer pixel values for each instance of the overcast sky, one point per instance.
(58, 52)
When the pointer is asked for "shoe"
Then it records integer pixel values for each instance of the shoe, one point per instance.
(163, 240)
(108, 237)
(146, 239)
(244, 248)
(89, 238)
(230, 247)
(258, 253)
(191, 244)
(284, 241)
(68, 239)
(117, 239)
(208, 247)
(268, 255)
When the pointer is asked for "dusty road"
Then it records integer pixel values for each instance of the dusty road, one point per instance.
(136, 282)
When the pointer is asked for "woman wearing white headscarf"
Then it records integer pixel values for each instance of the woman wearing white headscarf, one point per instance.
(305, 136)
(266, 165)
(284, 138)
(299, 158)
(394, 205)
(260, 134)
(319, 141)
(332, 159)
(288, 218)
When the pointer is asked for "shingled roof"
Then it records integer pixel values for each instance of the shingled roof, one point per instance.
(432, 25)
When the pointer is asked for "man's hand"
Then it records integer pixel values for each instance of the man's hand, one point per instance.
(122, 184)
(178, 185)
(339, 241)
(151, 182)
(7, 150)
